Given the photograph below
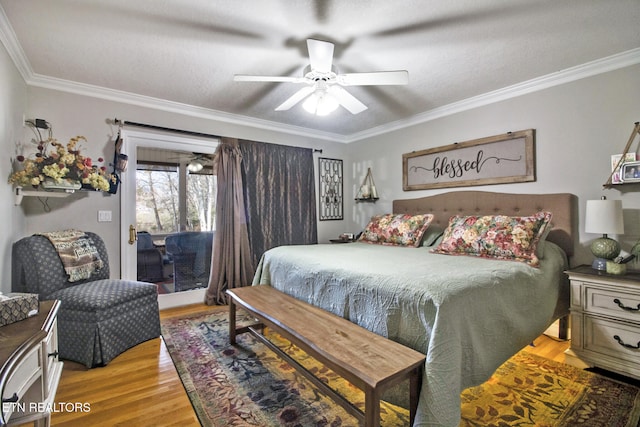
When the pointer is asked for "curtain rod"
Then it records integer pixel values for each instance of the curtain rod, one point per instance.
(181, 131)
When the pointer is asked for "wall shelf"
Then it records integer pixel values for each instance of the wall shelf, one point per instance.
(618, 167)
(20, 192)
(367, 191)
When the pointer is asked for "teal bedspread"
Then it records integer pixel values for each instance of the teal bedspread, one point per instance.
(467, 314)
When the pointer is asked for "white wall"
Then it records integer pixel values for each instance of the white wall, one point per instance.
(12, 105)
(578, 125)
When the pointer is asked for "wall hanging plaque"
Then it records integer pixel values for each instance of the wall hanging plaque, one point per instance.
(495, 159)
(330, 188)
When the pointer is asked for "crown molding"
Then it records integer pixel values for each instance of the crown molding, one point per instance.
(10, 41)
(589, 69)
(176, 107)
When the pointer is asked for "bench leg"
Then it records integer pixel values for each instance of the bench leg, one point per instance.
(371, 407)
(415, 380)
(232, 321)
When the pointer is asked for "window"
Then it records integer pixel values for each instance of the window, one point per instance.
(157, 199)
(201, 201)
(172, 198)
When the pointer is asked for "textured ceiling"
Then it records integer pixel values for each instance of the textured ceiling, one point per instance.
(187, 51)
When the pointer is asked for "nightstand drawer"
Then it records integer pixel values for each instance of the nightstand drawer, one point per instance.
(50, 355)
(20, 379)
(615, 339)
(23, 375)
(622, 305)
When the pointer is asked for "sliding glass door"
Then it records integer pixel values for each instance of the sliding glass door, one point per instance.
(175, 207)
(168, 214)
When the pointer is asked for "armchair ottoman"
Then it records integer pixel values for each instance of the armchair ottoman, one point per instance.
(99, 317)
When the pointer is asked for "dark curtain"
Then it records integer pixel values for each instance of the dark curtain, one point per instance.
(279, 196)
(231, 263)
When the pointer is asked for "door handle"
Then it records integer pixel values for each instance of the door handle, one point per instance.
(133, 236)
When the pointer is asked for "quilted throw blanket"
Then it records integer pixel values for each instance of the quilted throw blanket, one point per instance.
(79, 256)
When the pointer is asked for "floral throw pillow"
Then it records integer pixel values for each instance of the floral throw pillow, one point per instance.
(498, 237)
(396, 229)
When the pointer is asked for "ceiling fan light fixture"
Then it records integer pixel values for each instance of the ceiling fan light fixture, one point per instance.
(320, 103)
(324, 91)
(194, 166)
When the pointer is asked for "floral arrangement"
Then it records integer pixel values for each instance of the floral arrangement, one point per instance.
(61, 163)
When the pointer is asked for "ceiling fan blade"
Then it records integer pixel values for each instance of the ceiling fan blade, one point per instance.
(320, 55)
(347, 100)
(281, 79)
(400, 77)
(295, 98)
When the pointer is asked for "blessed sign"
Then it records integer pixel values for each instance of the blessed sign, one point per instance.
(493, 160)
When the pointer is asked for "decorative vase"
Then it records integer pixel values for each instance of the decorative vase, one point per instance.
(364, 191)
(615, 268)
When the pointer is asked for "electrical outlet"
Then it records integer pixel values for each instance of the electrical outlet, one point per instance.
(104, 216)
(42, 124)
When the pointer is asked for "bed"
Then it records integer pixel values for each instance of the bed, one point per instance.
(466, 314)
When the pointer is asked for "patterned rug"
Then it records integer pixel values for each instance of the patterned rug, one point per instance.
(529, 390)
(249, 385)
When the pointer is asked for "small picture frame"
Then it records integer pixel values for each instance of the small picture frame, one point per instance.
(630, 172)
(617, 161)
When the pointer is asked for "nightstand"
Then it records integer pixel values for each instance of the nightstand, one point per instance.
(29, 367)
(605, 321)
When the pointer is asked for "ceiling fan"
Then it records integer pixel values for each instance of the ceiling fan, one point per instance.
(324, 85)
(195, 161)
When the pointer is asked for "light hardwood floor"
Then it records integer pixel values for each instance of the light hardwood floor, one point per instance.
(141, 386)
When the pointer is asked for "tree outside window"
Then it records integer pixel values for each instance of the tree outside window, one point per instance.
(159, 199)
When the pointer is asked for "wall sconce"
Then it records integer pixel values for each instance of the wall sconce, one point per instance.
(604, 217)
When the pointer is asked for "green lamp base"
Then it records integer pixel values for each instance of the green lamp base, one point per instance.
(604, 249)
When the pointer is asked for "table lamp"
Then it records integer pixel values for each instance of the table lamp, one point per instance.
(604, 217)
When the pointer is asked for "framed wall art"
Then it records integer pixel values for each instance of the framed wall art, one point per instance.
(498, 159)
(330, 189)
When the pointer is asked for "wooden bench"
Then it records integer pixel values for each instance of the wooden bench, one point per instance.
(367, 360)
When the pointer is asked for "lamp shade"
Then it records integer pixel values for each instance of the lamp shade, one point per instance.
(604, 217)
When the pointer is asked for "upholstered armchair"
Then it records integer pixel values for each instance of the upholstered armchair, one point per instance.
(99, 317)
(190, 252)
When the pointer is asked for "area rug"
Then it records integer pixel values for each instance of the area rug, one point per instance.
(249, 385)
(529, 390)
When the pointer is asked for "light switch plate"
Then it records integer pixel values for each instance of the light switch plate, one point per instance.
(104, 216)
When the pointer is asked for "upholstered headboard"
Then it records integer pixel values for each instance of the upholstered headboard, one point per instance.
(563, 206)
